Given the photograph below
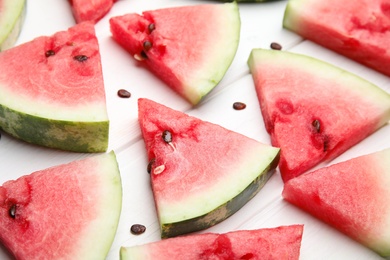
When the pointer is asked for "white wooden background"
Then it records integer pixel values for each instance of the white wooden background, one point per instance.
(261, 25)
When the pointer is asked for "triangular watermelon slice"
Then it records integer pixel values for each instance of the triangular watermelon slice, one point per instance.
(313, 110)
(70, 211)
(201, 173)
(12, 13)
(353, 196)
(87, 10)
(188, 47)
(359, 30)
(52, 91)
(282, 242)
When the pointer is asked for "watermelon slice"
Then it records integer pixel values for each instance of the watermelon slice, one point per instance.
(359, 30)
(180, 44)
(70, 211)
(282, 242)
(52, 92)
(353, 196)
(87, 10)
(201, 173)
(313, 110)
(12, 13)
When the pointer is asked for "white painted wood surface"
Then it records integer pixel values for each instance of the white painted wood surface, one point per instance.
(261, 25)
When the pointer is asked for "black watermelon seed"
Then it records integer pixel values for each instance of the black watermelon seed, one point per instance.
(147, 45)
(137, 229)
(49, 53)
(143, 55)
(123, 93)
(276, 46)
(167, 136)
(151, 27)
(317, 125)
(150, 164)
(239, 105)
(80, 58)
(12, 211)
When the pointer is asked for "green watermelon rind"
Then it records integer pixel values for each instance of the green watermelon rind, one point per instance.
(10, 32)
(225, 210)
(76, 136)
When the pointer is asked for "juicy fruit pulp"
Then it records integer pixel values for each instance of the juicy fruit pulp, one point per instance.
(201, 173)
(356, 29)
(190, 47)
(313, 110)
(93, 11)
(352, 196)
(12, 14)
(52, 91)
(269, 243)
(70, 211)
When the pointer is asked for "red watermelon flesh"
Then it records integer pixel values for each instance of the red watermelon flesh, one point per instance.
(201, 173)
(353, 196)
(282, 243)
(87, 10)
(52, 91)
(70, 211)
(313, 110)
(359, 30)
(190, 47)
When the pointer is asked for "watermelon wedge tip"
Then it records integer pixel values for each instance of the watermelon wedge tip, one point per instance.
(201, 173)
(190, 47)
(352, 196)
(313, 110)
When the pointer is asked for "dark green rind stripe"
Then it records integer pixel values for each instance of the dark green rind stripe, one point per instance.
(86, 137)
(222, 212)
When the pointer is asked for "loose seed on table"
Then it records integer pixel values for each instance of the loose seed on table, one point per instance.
(276, 46)
(137, 229)
(239, 105)
(123, 93)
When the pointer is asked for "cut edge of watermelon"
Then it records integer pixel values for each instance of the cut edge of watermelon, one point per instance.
(218, 205)
(11, 22)
(107, 222)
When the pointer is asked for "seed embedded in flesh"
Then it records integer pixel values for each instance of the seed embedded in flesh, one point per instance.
(147, 45)
(80, 58)
(151, 27)
(317, 125)
(12, 211)
(123, 93)
(276, 46)
(137, 229)
(167, 136)
(49, 53)
(239, 105)
(150, 164)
